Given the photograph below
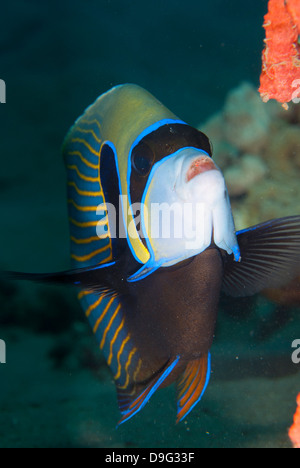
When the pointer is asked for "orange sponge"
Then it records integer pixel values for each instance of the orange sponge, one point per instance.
(280, 77)
(294, 432)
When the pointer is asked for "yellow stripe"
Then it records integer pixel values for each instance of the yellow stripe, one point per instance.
(137, 370)
(133, 392)
(85, 225)
(101, 222)
(130, 358)
(84, 130)
(126, 369)
(83, 192)
(84, 258)
(85, 241)
(84, 160)
(119, 355)
(91, 122)
(108, 326)
(103, 314)
(82, 208)
(113, 341)
(86, 144)
(94, 306)
(84, 293)
(82, 176)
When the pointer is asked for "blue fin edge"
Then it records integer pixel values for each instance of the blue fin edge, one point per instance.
(204, 388)
(153, 389)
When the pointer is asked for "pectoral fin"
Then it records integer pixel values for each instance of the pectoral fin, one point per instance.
(98, 278)
(270, 258)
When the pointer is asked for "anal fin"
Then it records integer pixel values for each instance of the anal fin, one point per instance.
(192, 385)
(130, 405)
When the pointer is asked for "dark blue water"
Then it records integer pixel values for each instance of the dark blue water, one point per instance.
(56, 57)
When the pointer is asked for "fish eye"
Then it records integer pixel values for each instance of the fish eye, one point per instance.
(142, 159)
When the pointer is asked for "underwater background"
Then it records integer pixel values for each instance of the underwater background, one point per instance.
(203, 61)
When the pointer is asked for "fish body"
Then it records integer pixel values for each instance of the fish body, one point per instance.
(153, 245)
(190, 333)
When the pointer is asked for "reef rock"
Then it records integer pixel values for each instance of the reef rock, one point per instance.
(241, 177)
(246, 119)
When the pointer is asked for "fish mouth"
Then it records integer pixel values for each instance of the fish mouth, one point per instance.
(198, 166)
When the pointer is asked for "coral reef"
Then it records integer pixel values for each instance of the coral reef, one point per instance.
(249, 170)
(280, 77)
(294, 432)
(246, 121)
(288, 295)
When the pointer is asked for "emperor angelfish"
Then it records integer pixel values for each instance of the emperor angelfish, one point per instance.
(153, 244)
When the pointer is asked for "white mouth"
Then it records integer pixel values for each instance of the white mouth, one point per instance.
(197, 177)
(199, 166)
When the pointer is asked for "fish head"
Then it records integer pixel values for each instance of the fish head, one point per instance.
(186, 208)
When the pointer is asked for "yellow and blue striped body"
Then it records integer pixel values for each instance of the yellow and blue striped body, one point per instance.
(108, 122)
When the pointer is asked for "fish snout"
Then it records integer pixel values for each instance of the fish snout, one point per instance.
(198, 166)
